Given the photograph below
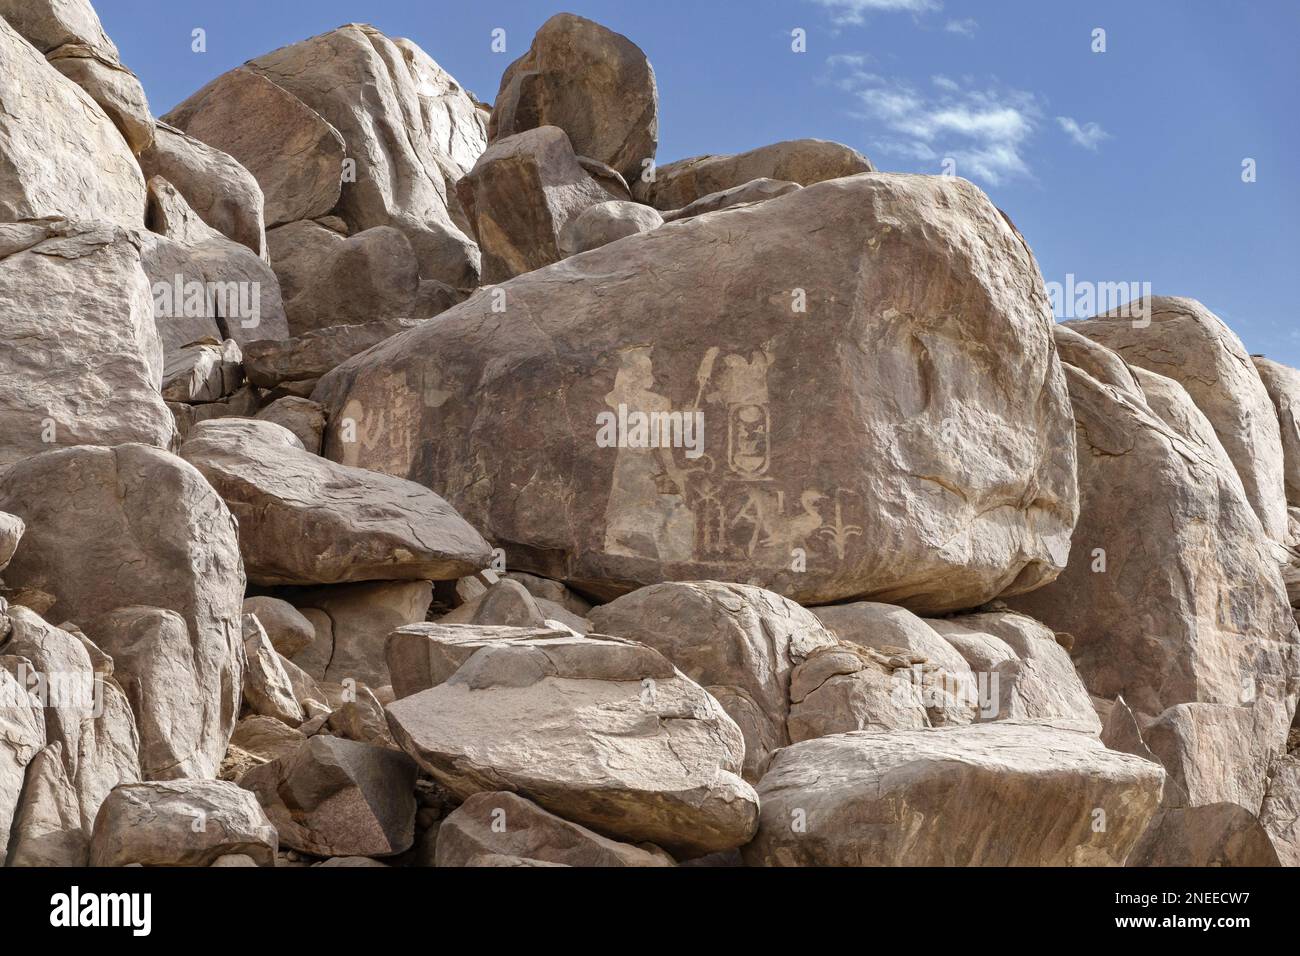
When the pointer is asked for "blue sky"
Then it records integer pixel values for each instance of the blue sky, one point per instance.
(1122, 166)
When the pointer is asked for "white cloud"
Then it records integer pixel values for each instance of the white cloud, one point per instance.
(855, 11)
(985, 131)
(1089, 135)
(966, 27)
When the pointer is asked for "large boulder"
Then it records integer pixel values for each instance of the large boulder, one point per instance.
(1179, 608)
(60, 153)
(297, 250)
(801, 161)
(742, 644)
(307, 357)
(306, 520)
(1183, 340)
(1216, 834)
(11, 532)
(521, 196)
(80, 359)
(505, 824)
(295, 155)
(216, 186)
(1280, 814)
(48, 829)
(757, 190)
(1283, 386)
(409, 128)
(933, 466)
(22, 738)
(602, 732)
(607, 222)
(999, 794)
(170, 543)
(181, 823)
(594, 84)
(335, 797)
(369, 277)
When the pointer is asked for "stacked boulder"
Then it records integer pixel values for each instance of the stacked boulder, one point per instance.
(388, 479)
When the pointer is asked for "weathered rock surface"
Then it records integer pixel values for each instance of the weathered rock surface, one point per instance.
(47, 829)
(267, 688)
(217, 187)
(941, 797)
(133, 525)
(1028, 674)
(846, 688)
(520, 197)
(604, 733)
(303, 417)
(305, 520)
(297, 250)
(49, 116)
(68, 376)
(181, 823)
(863, 460)
(313, 354)
(1280, 814)
(22, 737)
(740, 643)
(1185, 341)
(1283, 386)
(335, 797)
(505, 824)
(288, 631)
(801, 161)
(607, 222)
(949, 688)
(296, 157)
(1145, 594)
(407, 124)
(424, 655)
(758, 190)
(69, 34)
(353, 622)
(205, 371)
(594, 84)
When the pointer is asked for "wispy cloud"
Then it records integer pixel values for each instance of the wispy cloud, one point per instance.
(856, 11)
(1089, 135)
(985, 131)
(966, 27)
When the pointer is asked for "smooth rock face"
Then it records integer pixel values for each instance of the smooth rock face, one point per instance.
(1029, 675)
(740, 643)
(181, 823)
(305, 520)
(287, 629)
(758, 190)
(949, 688)
(371, 276)
(1146, 591)
(594, 84)
(1283, 386)
(297, 250)
(945, 797)
(171, 542)
(68, 375)
(801, 161)
(296, 157)
(407, 125)
(422, 655)
(603, 733)
(520, 197)
(858, 474)
(605, 223)
(301, 416)
(1217, 834)
(505, 824)
(1280, 814)
(335, 797)
(1185, 341)
(49, 117)
(217, 187)
(846, 688)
